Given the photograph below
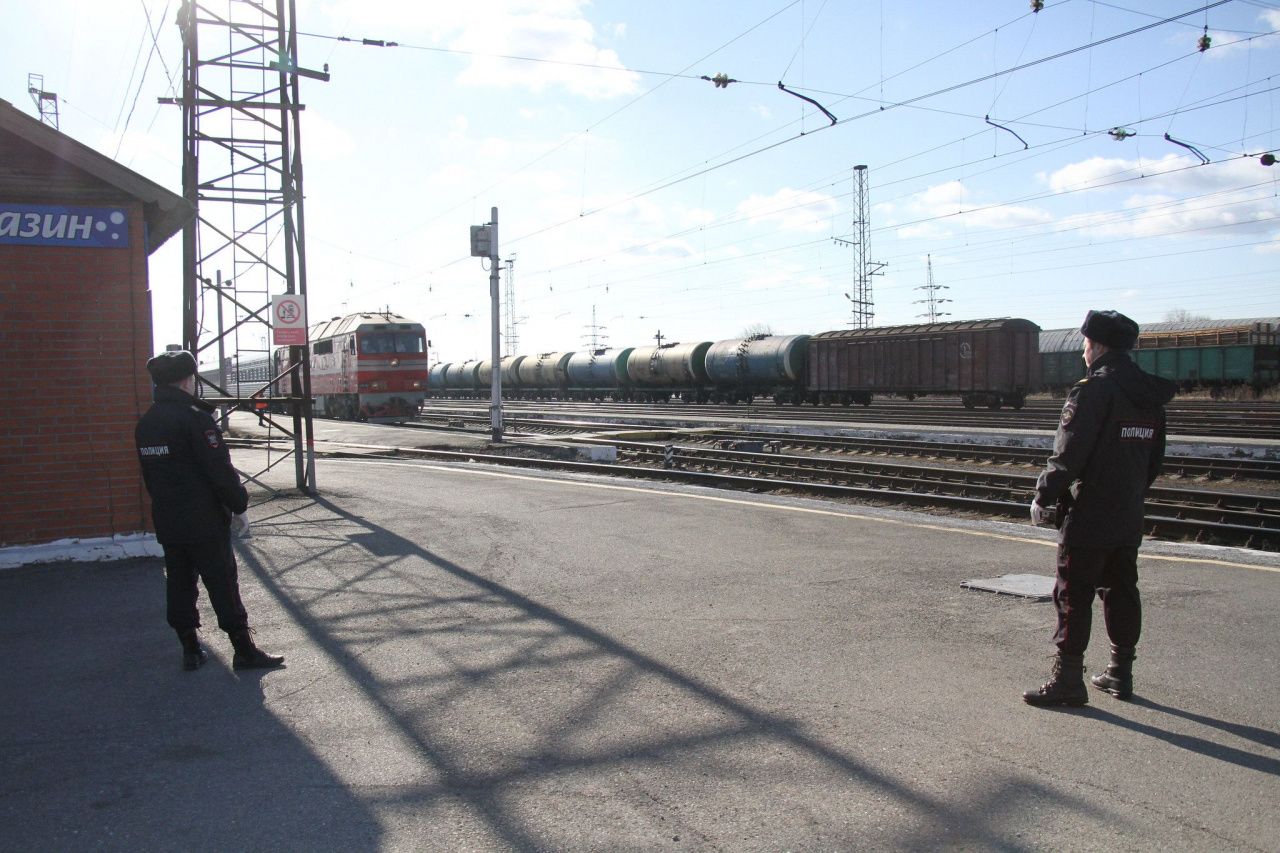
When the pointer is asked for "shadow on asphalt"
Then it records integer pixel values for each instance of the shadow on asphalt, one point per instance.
(108, 745)
(460, 664)
(1221, 752)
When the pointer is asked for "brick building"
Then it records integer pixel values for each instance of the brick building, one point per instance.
(76, 229)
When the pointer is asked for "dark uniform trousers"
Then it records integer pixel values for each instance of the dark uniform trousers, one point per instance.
(1111, 573)
(214, 563)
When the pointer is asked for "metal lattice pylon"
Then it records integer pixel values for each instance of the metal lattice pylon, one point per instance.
(242, 171)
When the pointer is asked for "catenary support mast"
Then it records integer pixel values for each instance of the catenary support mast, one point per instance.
(242, 171)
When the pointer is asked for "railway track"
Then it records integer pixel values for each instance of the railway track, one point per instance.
(1217, 420)
(1211, 468)
(1226, 518)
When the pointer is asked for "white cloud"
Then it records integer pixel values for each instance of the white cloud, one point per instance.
(934, 212)
(1271, 17)
(552, 31)
(792, 210)
(1170, 199)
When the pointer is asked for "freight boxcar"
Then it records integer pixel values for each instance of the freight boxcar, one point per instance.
(988, 363)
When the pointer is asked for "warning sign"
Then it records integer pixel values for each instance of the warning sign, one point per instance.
(288, 320)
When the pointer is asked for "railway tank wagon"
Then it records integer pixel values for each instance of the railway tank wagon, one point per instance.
(658, 372)
(598, 373)
(989, 363)
(740, 370)
(435, 379)
(508, 367)
(542, 376)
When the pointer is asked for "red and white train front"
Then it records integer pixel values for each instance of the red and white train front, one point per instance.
(368, 367)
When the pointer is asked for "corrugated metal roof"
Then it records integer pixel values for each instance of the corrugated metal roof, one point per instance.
(1013, 323)
(1070, 340)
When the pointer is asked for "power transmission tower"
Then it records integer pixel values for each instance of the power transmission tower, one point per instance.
(242, 171)
(46, 102)
(931, 296)
(596, 338)
(864, 309)
(510, 335)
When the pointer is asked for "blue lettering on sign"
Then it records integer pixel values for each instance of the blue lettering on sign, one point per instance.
(59, 225)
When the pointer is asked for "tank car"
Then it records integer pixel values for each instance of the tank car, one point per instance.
(598, 373)
(436, 386)
(460, 378)
(741, 369)
(658, 372)
(990, 363)
(509, 369)
(543, 376)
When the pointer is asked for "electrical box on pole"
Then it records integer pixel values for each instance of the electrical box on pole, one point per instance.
(484, 244)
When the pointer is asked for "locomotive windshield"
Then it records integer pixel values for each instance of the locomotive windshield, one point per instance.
(387, 343)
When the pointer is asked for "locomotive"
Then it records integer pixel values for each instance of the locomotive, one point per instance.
(367, 367)
(984, 362)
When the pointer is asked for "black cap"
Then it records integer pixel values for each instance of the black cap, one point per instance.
(1111, 329)
(172, 366)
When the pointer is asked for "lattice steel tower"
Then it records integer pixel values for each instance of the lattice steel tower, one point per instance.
(864, 309)
(931, 299)
(242, 171)
(510, 335)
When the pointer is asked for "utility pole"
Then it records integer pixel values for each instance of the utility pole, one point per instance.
(931, 295)
(864, 309)
(659, 337)
(484, 244)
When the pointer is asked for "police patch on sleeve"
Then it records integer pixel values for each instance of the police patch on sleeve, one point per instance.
(211, 436)
(1068, 412)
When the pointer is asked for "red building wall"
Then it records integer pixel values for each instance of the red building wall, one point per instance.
(75, 333)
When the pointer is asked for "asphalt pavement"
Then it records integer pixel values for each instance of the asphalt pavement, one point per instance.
(484, 658)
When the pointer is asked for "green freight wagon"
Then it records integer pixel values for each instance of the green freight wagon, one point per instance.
(1245, 355)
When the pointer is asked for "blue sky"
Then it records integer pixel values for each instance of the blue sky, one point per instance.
(628, 185)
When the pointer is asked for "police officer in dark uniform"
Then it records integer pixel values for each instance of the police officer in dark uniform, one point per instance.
(196, 500)
(1107, 452)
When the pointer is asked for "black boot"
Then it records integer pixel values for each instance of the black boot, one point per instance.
(1065, 685)
(1117, 679)
(249, 656)
(193, 654)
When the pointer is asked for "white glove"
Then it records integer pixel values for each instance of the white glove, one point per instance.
(1040, 516)
(240, 525)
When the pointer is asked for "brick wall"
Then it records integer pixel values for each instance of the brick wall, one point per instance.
(75, 332)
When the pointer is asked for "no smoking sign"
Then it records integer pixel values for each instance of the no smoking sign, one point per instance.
(288, 320)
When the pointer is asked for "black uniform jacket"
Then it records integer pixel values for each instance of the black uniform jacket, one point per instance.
(187, 469)
(1108, 451)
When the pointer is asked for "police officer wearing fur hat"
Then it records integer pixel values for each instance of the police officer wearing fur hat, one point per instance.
(196, 502)
(1106, 454)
